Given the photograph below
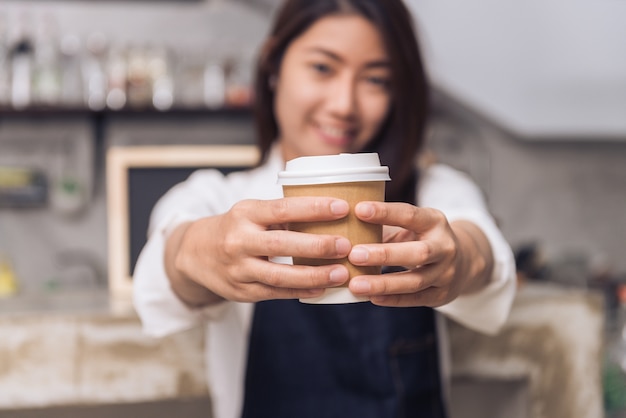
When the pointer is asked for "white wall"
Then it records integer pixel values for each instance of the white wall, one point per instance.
(540, 67)
(191, 25)
(566, 196)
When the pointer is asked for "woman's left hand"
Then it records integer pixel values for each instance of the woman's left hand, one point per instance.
(442, 260)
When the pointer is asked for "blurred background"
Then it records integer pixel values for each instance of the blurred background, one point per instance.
(529, 99)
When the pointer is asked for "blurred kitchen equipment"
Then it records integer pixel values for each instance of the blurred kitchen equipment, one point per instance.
(8, 282)
(22, 187)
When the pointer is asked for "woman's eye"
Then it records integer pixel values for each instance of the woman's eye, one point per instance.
(321, 68)
(378, 81)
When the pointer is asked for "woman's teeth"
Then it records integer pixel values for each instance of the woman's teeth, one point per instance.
(334, 132)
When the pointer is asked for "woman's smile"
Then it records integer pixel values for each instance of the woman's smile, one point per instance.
(336, 136)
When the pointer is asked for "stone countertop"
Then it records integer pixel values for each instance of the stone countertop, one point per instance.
(554, 339)
(71, 348)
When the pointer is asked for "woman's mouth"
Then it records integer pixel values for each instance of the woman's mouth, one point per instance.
(335, 136)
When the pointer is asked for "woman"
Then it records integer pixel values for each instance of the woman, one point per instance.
(334, 76)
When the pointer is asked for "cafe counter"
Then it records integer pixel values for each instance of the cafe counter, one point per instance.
(81, 348)
(84, 349)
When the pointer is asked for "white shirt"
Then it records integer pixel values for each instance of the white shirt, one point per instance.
(208, 192)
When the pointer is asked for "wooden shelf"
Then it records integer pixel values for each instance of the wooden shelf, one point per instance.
(177, 111)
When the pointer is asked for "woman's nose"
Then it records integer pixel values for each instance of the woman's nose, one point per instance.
(342, 100)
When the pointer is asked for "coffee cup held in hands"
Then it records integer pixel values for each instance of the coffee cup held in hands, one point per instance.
(352, 177)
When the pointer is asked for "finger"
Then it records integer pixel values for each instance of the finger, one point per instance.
(410, 254)
(404, 282)
(431, 297)
(255, 292)
(293, 209)
(297, 277)
(404, 215)
(397, 234)
(297, 244)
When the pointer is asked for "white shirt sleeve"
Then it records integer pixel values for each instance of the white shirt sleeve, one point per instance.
(459, 198)
(204, 193)
(160, 310)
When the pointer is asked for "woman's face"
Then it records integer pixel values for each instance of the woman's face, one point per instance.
(332, 91)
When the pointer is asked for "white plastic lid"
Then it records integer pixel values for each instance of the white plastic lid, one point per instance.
(326, 169)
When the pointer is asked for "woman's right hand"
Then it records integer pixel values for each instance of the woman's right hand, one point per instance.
(227, 256)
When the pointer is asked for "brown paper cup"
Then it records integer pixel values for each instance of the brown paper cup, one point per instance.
(355, 230)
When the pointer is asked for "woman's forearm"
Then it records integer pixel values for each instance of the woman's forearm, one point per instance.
(476, 256)
(190, 292)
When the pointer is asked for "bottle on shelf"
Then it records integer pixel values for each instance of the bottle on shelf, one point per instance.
(138, 86)
(214, 79)
(160, 76)
(5, 64)
(116, 72)
(93, 73)
(22, 52)
(614, 372)
(189, 78)
(239, 81)
(71, 73)
(46, 81)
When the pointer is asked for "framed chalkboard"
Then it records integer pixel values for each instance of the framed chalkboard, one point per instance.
(137, 176)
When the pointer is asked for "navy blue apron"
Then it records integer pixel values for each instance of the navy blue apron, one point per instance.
(346, 361)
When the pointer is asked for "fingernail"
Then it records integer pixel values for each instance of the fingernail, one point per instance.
(364, 210)
(339, 207)
(360, 286)
(342, 246)
(359, 255)
(339, 275)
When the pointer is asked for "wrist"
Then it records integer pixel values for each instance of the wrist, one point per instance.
(475, 260)
(188, 290)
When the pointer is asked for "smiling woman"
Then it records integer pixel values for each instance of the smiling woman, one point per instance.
(334, 76)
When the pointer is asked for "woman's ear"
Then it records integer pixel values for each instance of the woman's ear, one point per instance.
(272, 81)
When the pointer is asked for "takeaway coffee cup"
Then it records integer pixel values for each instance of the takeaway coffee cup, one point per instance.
(353, 178)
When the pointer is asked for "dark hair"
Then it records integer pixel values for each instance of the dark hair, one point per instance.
(401, 136)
